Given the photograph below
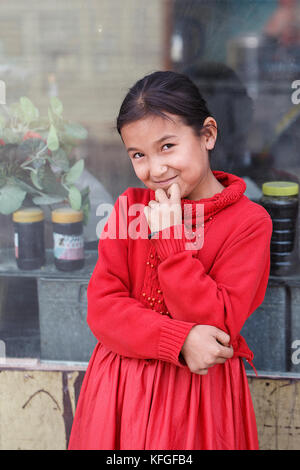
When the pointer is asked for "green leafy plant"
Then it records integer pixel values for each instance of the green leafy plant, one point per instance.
(36, 163)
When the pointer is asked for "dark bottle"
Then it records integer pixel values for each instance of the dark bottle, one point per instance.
(29, 238)
(68, 239)
(280, 199)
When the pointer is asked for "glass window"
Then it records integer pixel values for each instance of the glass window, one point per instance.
(64, 69)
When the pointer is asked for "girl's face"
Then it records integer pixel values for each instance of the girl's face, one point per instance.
(165, 151)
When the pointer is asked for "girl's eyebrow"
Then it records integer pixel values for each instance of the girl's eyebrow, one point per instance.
(165, 137)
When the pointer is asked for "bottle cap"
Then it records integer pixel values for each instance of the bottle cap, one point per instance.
(28, 215)
(66, 215)
(280, 188)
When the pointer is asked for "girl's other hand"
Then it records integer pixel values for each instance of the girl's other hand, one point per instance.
(205, 346)
(164, 211)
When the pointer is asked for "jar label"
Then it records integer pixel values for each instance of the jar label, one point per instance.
(16, 245)
(69, 247)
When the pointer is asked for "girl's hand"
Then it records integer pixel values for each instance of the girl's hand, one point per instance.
(204, 347)
(164, 211)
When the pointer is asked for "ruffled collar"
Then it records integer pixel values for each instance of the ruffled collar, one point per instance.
(233, 191)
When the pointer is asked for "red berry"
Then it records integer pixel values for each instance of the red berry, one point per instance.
(32, 135)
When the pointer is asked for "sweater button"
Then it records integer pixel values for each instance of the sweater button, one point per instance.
(149, 298)
(159, 301)
(147, 262)
(151, 256)
(152, 265)
(144, 294)
(159, 291)
(151, 304)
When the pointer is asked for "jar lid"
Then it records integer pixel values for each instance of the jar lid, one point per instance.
(28, 214)
(280, 188)
(65, 215)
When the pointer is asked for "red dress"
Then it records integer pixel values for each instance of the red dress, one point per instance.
(143, 299)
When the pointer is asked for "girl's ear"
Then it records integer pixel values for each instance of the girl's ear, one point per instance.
(211, 131)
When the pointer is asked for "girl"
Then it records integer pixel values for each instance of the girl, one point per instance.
(173, 287)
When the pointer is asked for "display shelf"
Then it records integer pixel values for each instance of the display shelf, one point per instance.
(8, 266)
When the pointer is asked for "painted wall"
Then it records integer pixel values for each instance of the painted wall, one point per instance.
(37, 408)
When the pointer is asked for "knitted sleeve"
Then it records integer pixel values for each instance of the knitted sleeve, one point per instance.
(121, 322)
(235, 285)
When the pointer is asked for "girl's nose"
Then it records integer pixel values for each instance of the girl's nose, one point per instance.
(157, 169)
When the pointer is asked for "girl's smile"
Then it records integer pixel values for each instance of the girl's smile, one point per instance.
(167, 151)
(165, 182)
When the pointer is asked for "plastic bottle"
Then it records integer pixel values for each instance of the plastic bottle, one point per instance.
(280, 199)
(68, 239)
(29, 238)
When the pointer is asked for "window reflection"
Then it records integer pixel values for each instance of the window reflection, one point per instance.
(253, 54)
(243, 55)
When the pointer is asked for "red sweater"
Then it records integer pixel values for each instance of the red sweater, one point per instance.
(144, 295)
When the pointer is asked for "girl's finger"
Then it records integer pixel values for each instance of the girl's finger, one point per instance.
(220, 360)
(174, 192)
(152, 203)
(161, 196)
(226, 352)
(222, 337)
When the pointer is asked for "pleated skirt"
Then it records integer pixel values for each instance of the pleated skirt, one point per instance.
(138, 404)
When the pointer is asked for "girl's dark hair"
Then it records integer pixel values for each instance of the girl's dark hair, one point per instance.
(164, 92)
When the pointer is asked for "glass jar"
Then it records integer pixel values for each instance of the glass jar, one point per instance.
(68, 239)
(29, 238)
(280, 199)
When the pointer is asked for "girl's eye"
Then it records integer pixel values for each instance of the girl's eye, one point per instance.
(168, 146)
(137, 155)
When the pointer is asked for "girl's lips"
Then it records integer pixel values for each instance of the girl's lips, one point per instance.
(163, 183)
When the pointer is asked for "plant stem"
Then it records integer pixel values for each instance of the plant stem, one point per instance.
(36, 157)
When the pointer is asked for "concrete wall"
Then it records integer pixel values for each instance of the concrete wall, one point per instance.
(277, 407)
(37, 405)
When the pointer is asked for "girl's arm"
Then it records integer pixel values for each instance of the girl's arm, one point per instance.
(232, 290)
(123, 323)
